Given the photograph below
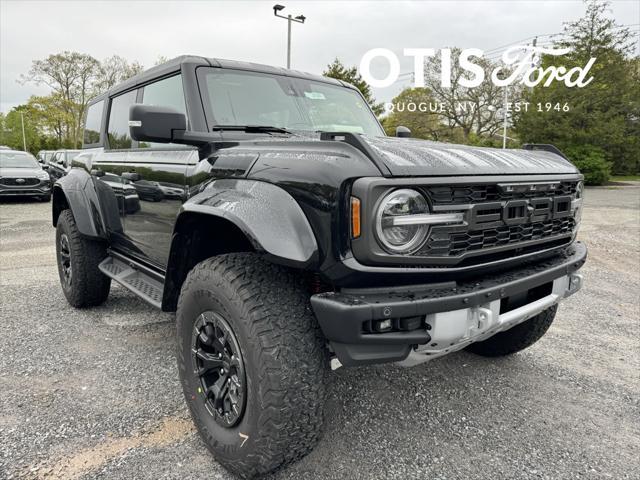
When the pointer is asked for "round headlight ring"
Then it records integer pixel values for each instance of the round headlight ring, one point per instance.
(420, 232)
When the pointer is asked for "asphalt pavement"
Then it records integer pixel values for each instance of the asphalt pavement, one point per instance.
(95, 393)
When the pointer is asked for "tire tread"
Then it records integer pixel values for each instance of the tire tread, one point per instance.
(292, 357)
(90, 286)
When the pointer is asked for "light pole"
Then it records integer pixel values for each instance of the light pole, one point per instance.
(289, 19)
(24, 139)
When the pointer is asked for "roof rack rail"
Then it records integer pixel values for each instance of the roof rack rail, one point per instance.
(546, 147)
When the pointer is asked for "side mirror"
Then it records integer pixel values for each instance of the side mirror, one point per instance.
(403, 132)
(148, 123)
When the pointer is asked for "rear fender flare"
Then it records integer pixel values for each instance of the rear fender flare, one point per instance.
(269, 217)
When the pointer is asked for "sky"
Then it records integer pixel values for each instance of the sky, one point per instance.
(248, 31)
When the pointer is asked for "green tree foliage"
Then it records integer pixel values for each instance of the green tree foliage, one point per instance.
(604, 116)
(51, 114)
(350, 75)
(74, 79)
(412, 110)
(11, 130)
(72, 76)
(590, 160)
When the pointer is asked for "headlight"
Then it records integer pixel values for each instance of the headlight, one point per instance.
(393, 233)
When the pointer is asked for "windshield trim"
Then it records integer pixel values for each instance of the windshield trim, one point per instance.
(201, 72)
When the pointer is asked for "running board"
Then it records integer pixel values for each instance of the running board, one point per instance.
(131, 276)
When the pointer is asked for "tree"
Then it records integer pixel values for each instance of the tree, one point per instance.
(51, 113)
(75, 78)
(350, 75)
(474, 110)
(114, 70)
(11, 130)
(412, 108)
(604, 115)
(72, 76)
(160, 60)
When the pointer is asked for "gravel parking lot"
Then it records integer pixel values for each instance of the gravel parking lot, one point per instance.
(95, 393)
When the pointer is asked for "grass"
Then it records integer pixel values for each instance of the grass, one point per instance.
(622, 178)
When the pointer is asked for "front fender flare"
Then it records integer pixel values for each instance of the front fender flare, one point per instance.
(270, 218)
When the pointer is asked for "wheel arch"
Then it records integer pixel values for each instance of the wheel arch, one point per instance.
(238, 216)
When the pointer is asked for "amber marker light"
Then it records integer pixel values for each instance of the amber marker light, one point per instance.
(355, 217)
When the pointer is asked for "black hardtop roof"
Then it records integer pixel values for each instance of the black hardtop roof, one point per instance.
(175, 64)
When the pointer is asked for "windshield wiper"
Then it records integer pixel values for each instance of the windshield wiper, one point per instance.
(250, 128)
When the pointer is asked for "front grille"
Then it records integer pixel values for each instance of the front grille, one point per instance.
(457, 244)
(12, 182)
(469, 194)
(499, 218)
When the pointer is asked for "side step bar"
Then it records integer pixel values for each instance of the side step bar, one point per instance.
(134, 277)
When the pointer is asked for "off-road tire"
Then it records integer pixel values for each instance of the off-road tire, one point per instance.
(89, 286)
(516, 338)
(285, 361)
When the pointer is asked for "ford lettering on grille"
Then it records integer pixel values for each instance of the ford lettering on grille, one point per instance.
(516, 212)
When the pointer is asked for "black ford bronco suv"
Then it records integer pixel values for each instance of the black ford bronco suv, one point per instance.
(268, 209)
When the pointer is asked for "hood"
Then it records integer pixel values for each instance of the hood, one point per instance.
(23, 172)
(413, 157)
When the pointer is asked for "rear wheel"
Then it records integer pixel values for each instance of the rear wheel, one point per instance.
(83, 284)
(516, 338)
(252, 362)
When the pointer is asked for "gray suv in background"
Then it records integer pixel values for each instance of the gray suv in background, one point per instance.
(22, 175)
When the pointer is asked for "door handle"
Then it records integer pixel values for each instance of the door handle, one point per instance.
(97, 172)
(133, 176)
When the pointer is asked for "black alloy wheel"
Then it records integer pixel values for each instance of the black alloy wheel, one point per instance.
(219, 366)
(65, 260)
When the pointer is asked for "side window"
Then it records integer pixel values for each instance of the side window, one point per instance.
(167, 92)
(92, 123)
(118, 131)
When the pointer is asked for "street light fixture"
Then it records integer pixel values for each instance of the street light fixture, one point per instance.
(299, 19)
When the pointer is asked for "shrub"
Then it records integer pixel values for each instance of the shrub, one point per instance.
(591, 162)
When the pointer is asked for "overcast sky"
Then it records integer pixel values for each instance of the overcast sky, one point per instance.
(145, 30)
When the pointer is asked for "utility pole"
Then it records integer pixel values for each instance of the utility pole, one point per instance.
(24, 139)
(289, 19)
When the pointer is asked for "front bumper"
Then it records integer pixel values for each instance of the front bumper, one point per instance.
(451, 314)
(26, 190)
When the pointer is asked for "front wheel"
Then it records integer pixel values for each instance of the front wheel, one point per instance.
(516, 338)
(252, 362)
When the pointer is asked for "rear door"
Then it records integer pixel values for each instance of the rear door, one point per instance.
(109, 164)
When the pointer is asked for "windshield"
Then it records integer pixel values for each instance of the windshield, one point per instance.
(17, 160)
(239, 98)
